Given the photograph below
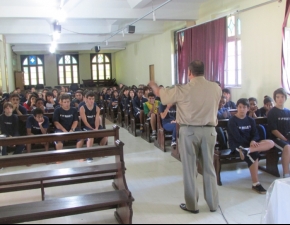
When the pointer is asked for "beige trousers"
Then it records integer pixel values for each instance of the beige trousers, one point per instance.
(197, 143)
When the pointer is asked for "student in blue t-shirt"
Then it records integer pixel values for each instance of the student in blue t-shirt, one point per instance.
(66, 119)
(279, 127)
(90, 115)
(227, 94)
(244, 138)
(138, 107)
(37, 124)
(168, 116)
(254, 111)
(223, 113)
(268, 105)
(9, 127)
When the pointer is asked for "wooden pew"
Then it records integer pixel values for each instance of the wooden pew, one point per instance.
(133, 122)
(162, 135)
(121, 198)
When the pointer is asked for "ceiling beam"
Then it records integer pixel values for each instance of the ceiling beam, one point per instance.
(134, 4)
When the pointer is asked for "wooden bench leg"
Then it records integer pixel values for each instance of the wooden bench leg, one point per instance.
(124, 214)
(272, 159)
(42, 191)
(217, 166)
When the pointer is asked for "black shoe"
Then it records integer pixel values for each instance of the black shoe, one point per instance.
(212, 211)
(259, 189)
(89, 160)
(183, 206)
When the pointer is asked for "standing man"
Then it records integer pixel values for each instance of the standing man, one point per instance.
(197, 106)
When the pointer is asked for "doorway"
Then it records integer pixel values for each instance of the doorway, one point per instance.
(151, 73)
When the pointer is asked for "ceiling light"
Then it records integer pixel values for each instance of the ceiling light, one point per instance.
(52, 49)
(154, 17)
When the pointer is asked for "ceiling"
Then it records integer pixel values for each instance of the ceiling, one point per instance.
(28, 24)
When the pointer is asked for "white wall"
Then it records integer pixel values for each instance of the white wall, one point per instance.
(261, 45)
(132, 64)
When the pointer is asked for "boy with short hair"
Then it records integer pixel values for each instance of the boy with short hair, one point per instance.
(90, 115)
(66, 119)
(9, 127)
(254, 111)
(17, 108)
(279, 127)
(268, 105)
(51, 103)
(223, 112)
(138, 107)
(37, 124)
(151, 110)
(227, 95)
(244, 138)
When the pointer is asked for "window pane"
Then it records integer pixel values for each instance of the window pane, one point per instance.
(231, 63)
(75, 69)
(239, 45)
(100, 58)
(240, 77)
(231, 77)
(25, 62)
(39, 62)
(94, 60)
(32, 60)
(33, 82)
(33, 73)
(101, 72)
(61, 80)
(61, 61)
(41, 81)
(94, 70)
(67, 59)
(231, 26)
(231, 49)
(40, 69)
(108, 72)
(107, 59)
(68, 80)
(74, 61)
(60, 71)
(239, 26)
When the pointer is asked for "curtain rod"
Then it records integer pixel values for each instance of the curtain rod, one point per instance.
(238, 11)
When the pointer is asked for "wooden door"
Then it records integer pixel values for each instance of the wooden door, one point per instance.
(19, 79)
(151, 73)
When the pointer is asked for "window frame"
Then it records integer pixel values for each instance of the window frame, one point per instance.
(58, 57)
(109, 55)
(41, 57)
(236, 39)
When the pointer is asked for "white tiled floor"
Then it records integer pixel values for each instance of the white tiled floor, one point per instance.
(155, 180)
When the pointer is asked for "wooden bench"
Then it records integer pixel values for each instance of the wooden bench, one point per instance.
(162, 135)
(121, 198)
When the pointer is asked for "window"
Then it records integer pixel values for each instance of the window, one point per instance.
(68, 69)
(233, 67)
(101, 66)
(33, 68)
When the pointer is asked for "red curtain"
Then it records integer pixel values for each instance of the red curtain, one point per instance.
(206, 42)
(285, 69)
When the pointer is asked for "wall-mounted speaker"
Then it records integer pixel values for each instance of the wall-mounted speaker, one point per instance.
(131, 29)
(97, 48)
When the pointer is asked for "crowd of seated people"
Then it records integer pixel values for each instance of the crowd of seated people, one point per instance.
(243, 137)
(67, 110)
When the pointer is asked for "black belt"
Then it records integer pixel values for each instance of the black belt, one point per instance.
(184, 125)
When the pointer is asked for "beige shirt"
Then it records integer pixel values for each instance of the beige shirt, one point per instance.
(197, 102)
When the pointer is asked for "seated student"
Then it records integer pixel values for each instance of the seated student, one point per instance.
(168, 116)
(254, 111)
(244, 138)
(4, 99)
(78, 99)
(39, 103)
(138, 107)
(37, 124)
(21, 96)
(151, 110)
(279, 127)
(229, 104)
(17, 108)
(146, 91)
(223, 113)
(9, 127)
(32, 89)
(50, 102)
(30, 105)
(108, 96)
(268, 105)
(55, 94)
(115, 103)
(66, 119)
(90, 115)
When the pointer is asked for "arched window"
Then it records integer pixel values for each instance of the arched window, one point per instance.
(101, 65)
(68, 69)
(33, 68)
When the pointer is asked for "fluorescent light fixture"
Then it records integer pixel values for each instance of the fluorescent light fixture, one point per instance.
(154, 17)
